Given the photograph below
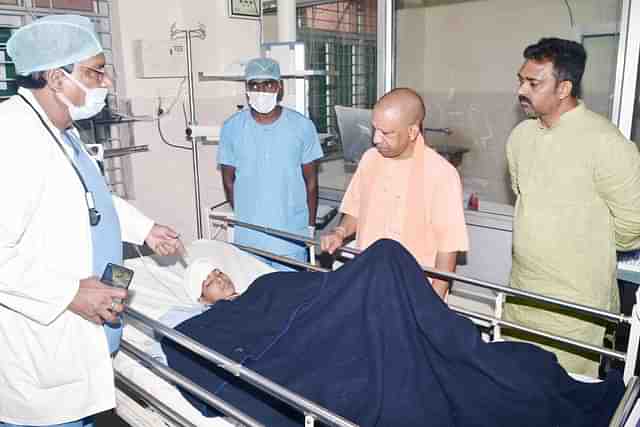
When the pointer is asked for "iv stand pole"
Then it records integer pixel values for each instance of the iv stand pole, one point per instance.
(188, 34)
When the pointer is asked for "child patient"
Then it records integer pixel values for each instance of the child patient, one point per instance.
(205, 285)
(217, 286)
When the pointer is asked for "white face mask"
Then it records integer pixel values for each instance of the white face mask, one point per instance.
(263, 102)
(93, 101)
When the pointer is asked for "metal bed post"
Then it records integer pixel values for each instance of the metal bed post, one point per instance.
(312, 254)
(497, 331)
(309, 420)
(634, 341)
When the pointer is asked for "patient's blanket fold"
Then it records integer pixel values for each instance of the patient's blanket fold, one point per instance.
(374, 343)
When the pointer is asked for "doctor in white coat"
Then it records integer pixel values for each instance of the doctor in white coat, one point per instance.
(59, 227)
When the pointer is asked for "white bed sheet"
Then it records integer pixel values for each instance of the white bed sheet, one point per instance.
(157, 287)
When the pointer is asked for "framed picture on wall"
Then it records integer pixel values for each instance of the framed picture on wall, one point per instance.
(247, 9)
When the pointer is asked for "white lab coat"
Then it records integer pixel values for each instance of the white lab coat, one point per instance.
(54, 365)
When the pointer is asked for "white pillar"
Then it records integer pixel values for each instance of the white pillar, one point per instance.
(286, 20)
(386, 49)
(627, 68)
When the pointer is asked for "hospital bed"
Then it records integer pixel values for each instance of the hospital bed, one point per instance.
(146, 395)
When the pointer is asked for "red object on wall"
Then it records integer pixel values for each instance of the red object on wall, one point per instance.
(474, 202)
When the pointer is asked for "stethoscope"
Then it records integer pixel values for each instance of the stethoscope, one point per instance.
(94, 215)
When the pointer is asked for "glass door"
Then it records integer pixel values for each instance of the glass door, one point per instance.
(462, 56)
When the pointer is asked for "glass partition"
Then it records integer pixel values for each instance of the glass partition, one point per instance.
(635, 124)
(462, 56)
(340, 39)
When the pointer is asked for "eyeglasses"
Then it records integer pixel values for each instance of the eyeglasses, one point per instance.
(261, 86)
(95, 74)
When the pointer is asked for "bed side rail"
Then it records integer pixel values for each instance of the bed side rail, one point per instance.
(312, 411)
(495, 321)
(489, 319)
(627, 403)
(132, 389)
(174, 377)
(431, 272)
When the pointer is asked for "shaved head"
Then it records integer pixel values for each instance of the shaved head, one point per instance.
(397, 123)
(403, 103)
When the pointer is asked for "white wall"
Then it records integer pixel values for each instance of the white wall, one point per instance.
(270, 28)
(163, 177)
(463, 58)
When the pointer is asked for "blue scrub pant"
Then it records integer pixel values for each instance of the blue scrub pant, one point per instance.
(113, 333)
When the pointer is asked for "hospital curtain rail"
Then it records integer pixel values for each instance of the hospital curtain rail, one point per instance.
(312, 411)
(629, 357)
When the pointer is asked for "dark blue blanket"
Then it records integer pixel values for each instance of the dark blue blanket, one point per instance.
(376, 345)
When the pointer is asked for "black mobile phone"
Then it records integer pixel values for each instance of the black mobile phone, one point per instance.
(117, 276)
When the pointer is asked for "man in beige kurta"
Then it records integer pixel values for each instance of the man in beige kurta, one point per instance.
(577, 182)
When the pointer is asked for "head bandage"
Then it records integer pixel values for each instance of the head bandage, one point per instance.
(52, 42)
(196, 273)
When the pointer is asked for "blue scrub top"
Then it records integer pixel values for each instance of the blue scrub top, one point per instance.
(269, 189)
(106, 237)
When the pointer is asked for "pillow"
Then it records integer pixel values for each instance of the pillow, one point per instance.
(241, 267)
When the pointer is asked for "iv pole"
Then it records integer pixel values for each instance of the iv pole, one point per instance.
(187, 34)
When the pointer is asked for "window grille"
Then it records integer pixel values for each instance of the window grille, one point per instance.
(340, 38)
(16, 13)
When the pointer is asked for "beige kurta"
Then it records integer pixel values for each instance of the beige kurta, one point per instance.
(578, 199)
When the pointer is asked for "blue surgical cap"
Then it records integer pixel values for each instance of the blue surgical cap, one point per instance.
(52, 42)
(262, 69)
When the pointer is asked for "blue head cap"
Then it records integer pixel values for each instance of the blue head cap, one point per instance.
(52, 42)
(262, 69)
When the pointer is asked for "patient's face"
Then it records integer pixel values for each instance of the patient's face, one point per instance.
(217, 286)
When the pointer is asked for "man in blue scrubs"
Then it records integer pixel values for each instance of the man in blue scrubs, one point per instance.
(267, 155)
